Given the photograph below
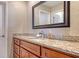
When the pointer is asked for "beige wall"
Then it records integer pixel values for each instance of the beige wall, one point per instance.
(17, 21)
(73, 30)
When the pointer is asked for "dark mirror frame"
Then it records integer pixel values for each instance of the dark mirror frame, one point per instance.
(58, 25)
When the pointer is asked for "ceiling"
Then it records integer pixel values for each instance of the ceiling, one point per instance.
(52, 3)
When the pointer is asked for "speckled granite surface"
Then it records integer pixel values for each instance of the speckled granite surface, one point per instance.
(65, 46)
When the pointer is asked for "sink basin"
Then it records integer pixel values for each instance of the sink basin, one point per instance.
(32, 37)
(29, 37)
(36, 38)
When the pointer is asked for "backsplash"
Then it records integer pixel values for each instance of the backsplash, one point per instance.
(63, 38)
(58, 33)
(71, 38)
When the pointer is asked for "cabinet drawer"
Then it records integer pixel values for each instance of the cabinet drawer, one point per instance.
(16, 41)
(31, 47)
(24, 53)
(16, 48)
(15, 55)
(53, 54)
(32, 55)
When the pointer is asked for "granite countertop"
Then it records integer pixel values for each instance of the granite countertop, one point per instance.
(64, 46)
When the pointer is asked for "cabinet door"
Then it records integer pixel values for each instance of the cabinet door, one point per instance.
(24, 53)
(32, 55)
(53, 54)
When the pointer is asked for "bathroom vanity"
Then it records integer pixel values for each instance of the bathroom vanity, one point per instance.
(24, 47)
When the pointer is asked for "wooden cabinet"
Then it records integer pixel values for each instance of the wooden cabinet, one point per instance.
(15, 55)
(24, 53)
(53, 54)
(32, 55)
(16, 41)
(16, 49)
(24, 49)
(31, 47)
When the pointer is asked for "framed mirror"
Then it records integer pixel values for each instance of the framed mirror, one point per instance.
(51, 14)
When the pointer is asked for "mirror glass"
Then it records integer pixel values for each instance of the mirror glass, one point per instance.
(49, 12)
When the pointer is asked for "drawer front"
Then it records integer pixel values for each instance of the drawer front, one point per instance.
(15, 55)
(16, 41)
(31, 47)
(32, 55)
(53, 54)
(16, 49)
(24, 53)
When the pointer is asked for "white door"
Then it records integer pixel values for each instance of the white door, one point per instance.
(2, 38)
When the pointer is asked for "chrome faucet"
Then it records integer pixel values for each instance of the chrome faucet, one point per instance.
(42, 34)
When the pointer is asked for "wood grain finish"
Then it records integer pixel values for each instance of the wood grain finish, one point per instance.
(15, 55)
(52, 54)
(16, 48)
(16, 41)
(24, 53)
(31, 47)
(32, 55)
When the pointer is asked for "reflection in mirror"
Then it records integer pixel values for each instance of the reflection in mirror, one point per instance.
(57, 12)
(41, 15)
(57, 17)
(50, 12)
(44, 17)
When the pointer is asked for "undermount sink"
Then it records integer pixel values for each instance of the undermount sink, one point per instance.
(33, 37)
